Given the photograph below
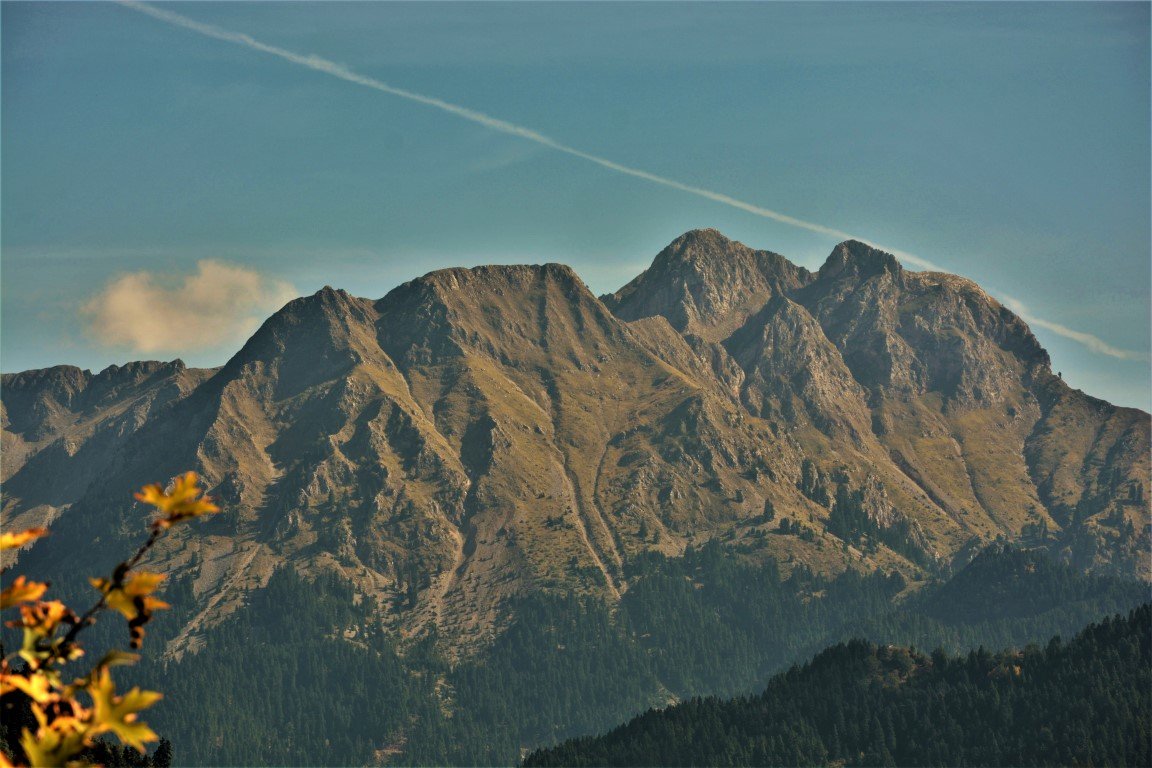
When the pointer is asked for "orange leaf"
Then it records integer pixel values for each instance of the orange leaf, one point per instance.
(16, 540)
(183, 502)
(22, 591)
(43, 616)
(37, 687)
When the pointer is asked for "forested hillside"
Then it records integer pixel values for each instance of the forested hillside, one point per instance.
(1085, 702)
(336, 690)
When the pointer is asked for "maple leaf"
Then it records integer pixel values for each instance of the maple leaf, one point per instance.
(22, 591)
(37, 687)
(133, 598)
(16, 540)
(44, 616)
(118, 714)
(182, 503)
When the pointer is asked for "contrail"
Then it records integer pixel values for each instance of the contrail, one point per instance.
(503, 126)
(342, 72)
(1094, 343)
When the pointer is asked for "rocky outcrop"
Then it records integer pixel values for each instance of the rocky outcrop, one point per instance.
(795, 375)
(706, 285)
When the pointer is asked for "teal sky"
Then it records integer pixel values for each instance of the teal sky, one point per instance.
(1008, 143)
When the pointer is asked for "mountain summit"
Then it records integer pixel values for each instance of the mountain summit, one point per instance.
(481, 434)
(706, 285)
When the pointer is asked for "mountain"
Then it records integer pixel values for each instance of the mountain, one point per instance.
(480, 435)
(1086, 702)
(62, 426)
(524, 513)
(706, 285)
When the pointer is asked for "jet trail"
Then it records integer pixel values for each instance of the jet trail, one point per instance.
(1094, 343)
(503, 126)
(342, 72)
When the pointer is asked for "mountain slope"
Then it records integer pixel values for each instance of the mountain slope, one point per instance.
(479, 435)
(62, 426)
(933, 387)
(706, 623)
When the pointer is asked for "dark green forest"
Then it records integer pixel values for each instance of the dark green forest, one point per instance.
(1087, 702)
(706, 624)
(304, 676)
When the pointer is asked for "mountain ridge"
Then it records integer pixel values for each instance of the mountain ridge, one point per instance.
(482, 433)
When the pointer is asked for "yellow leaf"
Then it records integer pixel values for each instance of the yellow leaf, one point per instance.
(132, 597)
(182, 503)
(22, 591)
(43, 752)
(118, 714)
(37, 687)
(14, 540)
(54, 743)
(39, 621)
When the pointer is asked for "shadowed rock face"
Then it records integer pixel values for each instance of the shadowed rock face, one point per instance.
(481, 433)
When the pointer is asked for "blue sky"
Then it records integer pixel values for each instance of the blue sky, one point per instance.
(1005, 142)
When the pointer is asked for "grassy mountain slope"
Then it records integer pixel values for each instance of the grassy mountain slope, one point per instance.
(482, 435)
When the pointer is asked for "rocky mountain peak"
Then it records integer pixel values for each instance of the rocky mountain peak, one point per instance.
(325, 308)
(460, 292)
(499, 309)
(706, 285)
(495, 279)
(327, 299)
(62, 380)
(308, 339)
(696, 245)
(34, 398)
(115, 379)
(854, 259)
(139, 369)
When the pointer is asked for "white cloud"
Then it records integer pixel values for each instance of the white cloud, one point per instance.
(150, 312)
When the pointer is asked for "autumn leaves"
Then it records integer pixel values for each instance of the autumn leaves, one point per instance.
(183, 502)
(70, 716)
